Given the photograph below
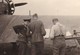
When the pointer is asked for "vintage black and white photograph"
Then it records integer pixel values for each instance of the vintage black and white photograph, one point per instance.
(39, 27)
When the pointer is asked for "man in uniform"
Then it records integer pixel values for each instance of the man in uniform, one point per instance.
(57, 34)
(22, 31)
(37, 32)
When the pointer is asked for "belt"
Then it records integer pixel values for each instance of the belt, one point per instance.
(59, 36)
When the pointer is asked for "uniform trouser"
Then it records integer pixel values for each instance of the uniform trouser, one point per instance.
(22, 48)
(37, 48)
(59, 46)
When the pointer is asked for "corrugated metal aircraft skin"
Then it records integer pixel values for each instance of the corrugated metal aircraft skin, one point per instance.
(7, 22)
(4, 20)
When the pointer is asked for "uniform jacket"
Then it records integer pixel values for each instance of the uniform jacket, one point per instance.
(57, 29)
(37, 31)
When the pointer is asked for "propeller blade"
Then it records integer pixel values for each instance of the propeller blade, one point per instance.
(20, 4)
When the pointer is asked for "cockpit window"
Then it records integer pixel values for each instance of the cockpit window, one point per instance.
(5, 1)
(0, 0)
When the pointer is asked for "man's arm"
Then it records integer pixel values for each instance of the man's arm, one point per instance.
(29, 33)
(43, 29)
(51, 34)
(29, 36)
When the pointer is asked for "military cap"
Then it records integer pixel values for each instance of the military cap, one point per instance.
(55, 19)
(27, 20)
(35, 15)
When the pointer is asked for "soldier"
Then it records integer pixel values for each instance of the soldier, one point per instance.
(28, 51)
(22, 31)
(57, 34)
(37, 32)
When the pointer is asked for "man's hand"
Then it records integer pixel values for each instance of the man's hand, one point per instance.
(29, 44)
(51, 38)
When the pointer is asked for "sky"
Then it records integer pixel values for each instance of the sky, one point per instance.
(49, 7)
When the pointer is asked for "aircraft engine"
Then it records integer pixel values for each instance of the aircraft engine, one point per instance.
(8, 7)
(11, 7)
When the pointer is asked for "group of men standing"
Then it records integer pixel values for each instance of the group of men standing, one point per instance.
(31, 35)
